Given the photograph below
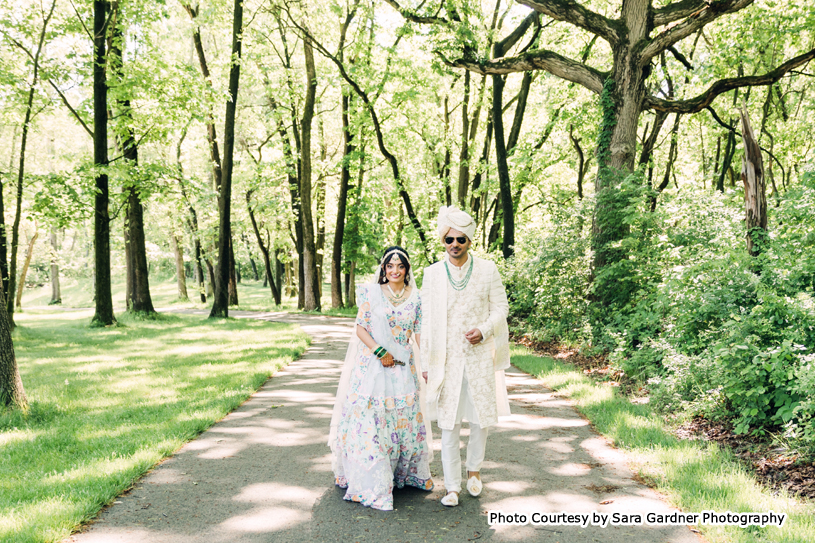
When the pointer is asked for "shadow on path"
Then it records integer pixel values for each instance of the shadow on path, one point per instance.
(263, 473)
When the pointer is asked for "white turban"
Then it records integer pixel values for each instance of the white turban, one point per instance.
(452, 217)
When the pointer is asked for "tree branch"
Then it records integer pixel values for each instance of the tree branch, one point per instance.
(695, 21)
(555, 64)
(697, 104)
(574, 13)
(681, 58)
(415, 17)
(677, 10)
(507, 43)
(73, 111)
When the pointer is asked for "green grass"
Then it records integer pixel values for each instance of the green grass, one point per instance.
(694, 475)
(107, 404)
(252, 295)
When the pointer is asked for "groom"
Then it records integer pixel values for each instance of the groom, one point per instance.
(465, 348)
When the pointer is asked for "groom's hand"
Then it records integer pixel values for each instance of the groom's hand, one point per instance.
(474, 336)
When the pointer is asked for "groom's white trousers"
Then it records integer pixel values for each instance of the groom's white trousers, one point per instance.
(476, 445)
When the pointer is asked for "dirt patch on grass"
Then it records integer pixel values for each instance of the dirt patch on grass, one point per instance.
(775, 467)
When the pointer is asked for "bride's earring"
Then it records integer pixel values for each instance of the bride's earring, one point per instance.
(407, 278)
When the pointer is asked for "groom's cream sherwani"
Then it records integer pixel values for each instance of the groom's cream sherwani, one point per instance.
(447, 314)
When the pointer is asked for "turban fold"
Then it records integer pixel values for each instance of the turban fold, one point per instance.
(452, 217)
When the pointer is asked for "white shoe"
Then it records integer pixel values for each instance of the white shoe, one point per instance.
(474, 486)
(450, 500)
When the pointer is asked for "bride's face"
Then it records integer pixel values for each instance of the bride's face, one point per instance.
(395, 271)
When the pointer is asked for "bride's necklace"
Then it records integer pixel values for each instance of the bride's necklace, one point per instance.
(394, 297)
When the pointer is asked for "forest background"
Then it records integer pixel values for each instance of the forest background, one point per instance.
(599, 146)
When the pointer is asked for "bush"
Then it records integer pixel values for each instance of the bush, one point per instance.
(713, 330)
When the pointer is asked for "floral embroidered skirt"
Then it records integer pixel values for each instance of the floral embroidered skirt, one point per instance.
(382, 438)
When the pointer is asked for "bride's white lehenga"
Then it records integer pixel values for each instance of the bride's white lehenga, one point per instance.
(380, 439)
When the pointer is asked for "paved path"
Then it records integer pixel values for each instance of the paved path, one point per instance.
(263, 473)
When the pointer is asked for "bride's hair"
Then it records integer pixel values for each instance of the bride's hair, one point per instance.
(391, 253)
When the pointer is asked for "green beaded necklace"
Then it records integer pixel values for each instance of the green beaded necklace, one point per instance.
(459, 285)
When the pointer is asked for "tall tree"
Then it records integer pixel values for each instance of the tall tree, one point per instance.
(312, 284)
(212, 133)
(220, 307)
(15, 229)
(137, 292)
(103, 315)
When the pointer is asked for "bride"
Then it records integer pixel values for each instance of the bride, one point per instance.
(378, 434)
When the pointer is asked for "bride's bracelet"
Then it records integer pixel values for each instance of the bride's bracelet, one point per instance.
(380, 351)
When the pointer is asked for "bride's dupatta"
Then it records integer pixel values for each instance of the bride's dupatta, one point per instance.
(383, 334)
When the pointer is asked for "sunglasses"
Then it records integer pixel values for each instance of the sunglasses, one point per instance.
(461, 240)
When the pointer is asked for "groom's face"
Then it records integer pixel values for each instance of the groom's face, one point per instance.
(455, 248)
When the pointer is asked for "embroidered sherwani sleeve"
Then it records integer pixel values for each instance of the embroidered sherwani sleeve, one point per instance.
(499, 307)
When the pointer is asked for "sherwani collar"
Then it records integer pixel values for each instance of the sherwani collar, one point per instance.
(459, 268)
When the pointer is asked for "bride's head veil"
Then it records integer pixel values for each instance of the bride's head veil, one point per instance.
(354, 345)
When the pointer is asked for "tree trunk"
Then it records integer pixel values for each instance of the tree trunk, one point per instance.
(312, 293)
(755, 190)
(293, 172)
(199, 270)
(279, 273)
(672, 152)
(220, 307)
(339, 230)
(137, 291)
(138, 295)
(475, 202)
(24, 272)
(234, 278)
(180, 276)
(580, 161)
(464, 155)
(211, 271)
(729, 151)
(320, 241)
(251, 259)
(12, 393)
(103, 315)
(263, 250)
(56, 294)
(212, 134)
(621, 100)
(507, 208)
(350, 288)
(3, 254)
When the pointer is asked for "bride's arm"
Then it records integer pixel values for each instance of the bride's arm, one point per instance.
(369, 342)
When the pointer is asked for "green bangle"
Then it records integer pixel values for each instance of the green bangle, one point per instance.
(380, 351)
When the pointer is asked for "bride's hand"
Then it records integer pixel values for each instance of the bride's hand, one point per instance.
(387, 360)
(424, 376)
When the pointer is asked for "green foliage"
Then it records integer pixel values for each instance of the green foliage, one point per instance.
(547, 278)
(712, 330)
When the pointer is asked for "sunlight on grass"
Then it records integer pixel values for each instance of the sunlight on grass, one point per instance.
(252, 295)
(694, 475)
(107, 404)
